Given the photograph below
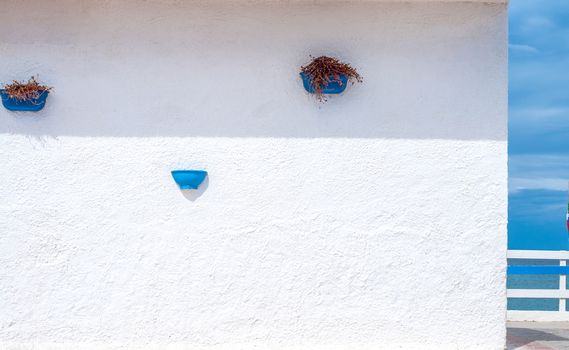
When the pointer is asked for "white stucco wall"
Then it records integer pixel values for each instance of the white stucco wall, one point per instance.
(374, 221)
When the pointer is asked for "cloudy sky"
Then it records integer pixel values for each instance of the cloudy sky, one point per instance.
(539, 124)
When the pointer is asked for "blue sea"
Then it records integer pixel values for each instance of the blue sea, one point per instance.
(533, 282)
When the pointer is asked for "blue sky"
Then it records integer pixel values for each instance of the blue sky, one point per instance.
(539, 124)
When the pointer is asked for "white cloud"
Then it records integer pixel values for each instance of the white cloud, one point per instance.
(539, 166)
(553, 184)
(523, 48)
(539, 22)
(540, 113)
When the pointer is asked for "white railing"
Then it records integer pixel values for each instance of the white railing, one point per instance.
(561, 293)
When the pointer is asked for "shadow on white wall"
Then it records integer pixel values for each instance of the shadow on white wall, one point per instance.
(231, 69)
(193, 195)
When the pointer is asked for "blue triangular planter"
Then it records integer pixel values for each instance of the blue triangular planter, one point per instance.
(12, 104)
(189, 179)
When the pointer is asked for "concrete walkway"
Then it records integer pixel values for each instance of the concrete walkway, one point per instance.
(538, 336)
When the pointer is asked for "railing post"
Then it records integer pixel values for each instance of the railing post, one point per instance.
(562, 286)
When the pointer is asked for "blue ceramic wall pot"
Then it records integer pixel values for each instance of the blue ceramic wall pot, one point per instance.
(15, 105)
(334, 86)
(189, 179)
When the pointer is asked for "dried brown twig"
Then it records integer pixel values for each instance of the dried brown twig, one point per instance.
(25, 91)
(323, 70)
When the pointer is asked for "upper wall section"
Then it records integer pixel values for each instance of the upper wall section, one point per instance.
(230, 69)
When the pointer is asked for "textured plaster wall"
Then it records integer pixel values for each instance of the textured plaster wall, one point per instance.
(374, 221)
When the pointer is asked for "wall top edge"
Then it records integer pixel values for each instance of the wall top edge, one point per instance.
(355, 1)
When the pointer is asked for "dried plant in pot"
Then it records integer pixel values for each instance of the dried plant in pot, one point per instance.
(327, 75)
(27, 96)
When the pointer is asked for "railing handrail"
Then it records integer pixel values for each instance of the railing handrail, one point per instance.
(539, 254)
(538, 270)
